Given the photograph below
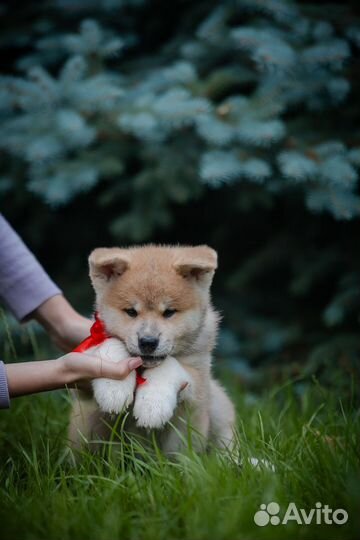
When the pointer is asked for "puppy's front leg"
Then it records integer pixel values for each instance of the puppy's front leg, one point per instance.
(157, 398)
(113, 396)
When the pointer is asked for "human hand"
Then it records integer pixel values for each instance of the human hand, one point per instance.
(80, 368)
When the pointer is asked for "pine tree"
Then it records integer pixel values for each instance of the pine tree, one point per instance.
(245, 96)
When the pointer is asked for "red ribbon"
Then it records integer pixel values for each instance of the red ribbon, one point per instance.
(139, 379)
(98, 335)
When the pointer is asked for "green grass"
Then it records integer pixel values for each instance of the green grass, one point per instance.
(310, 433)
(311, 437)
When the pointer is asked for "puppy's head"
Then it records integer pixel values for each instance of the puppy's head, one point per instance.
(153, 298)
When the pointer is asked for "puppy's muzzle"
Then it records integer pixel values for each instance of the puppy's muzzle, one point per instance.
(148, 344)
(147, 347)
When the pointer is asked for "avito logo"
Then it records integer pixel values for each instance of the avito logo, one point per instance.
(321, 514)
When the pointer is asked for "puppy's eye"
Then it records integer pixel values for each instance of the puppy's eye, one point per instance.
(169, 313)
(131, 312)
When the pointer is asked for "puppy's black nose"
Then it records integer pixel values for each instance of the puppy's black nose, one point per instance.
(148, 344)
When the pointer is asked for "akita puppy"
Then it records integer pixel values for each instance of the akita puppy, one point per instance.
(155, 302)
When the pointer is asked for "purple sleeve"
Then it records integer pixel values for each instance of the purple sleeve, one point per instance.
(24, 284)
(4, 392)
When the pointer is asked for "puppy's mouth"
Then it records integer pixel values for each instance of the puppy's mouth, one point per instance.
(150, 361)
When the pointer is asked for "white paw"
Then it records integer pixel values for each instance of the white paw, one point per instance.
(153, 411)
(113, 396)
(157, 398)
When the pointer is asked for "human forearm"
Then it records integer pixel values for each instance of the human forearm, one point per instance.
(65, 325)
(30, 293)
(73, 369)
(32, 377)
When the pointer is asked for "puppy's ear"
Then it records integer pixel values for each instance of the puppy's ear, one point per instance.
(106, 264)
(197, 263)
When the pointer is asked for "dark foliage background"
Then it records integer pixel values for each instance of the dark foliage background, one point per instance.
(286, 228)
